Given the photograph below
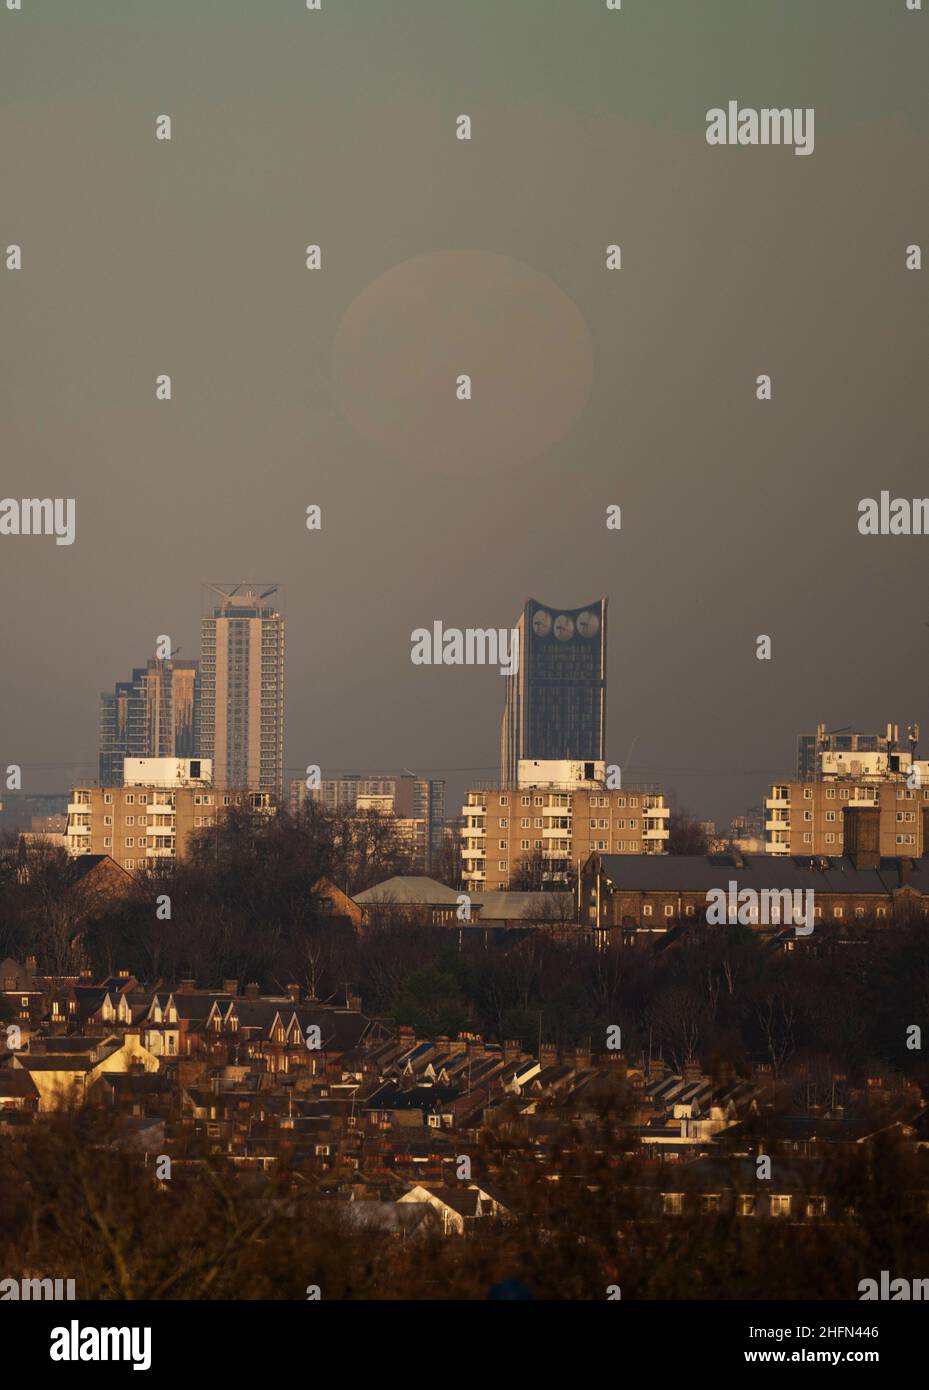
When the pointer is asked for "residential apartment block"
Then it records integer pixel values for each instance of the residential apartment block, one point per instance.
(555, 822)
(241, 703)
(139, 823)
(809, 818)
(152, 715)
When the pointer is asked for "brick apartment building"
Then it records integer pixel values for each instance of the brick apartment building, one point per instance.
(152, 816)
(557, 822)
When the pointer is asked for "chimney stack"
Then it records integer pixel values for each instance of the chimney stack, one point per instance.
(861, 827)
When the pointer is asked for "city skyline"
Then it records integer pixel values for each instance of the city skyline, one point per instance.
(738, 517)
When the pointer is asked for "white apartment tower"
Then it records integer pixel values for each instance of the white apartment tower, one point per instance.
(241, 704)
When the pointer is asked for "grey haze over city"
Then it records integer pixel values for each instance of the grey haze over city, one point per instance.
(591, 388)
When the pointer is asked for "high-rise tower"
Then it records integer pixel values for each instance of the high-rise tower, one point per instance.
(241, 698)
(556, 702)
(150, 716)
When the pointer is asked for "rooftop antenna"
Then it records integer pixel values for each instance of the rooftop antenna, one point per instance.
(629, 753)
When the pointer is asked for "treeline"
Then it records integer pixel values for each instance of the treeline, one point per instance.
(243, 907)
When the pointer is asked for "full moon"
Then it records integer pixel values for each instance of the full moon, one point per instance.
(406, 339)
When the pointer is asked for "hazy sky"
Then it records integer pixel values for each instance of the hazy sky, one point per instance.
(590, 387)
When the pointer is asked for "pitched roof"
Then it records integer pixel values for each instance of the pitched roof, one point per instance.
(83, 864)
(408, 890)
(532, 907)
(697, 873)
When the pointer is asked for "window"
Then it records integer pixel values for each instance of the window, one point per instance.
(524, 823)
(502, 844)
(129, 864)
(143, 798)
(107, 842)
(537, 844)
(502, 866)
(808, 838)
(620, 801)
(816, 1206)
(673, 1203)
(843, 794)
(830, 793)
(524, 844)
(838, 912)
(647, 910)
(525, 801)
(807, 815)
(537, 801)
(130, 842)
(780, 1204)
(807, 793)
(746, 1205)
(830, 815)
(504, 823)
(504, 801)
(130, 820)
(830, 839)
(107, 798)
(709, 1202)
(107, 820)
(538, 822)
(668, 910)
(130, 799)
